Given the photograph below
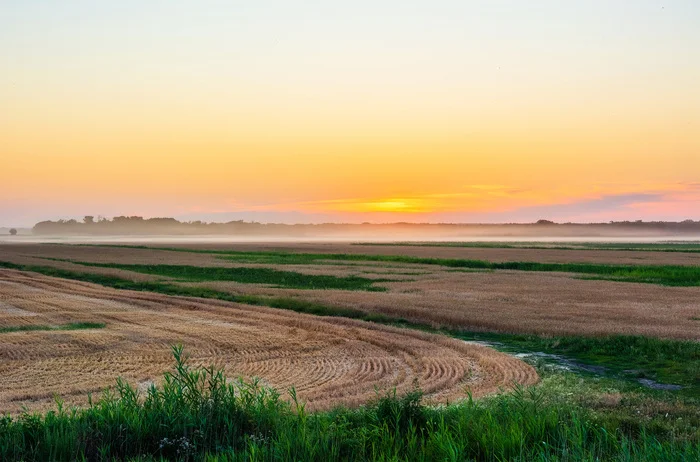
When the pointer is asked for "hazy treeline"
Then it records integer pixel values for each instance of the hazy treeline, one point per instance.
(169, 226)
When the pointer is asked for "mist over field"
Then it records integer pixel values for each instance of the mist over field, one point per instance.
(138, 229)
(379, 238)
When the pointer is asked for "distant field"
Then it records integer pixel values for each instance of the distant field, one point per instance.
(474, 295)
(671, 275)
(594, 253)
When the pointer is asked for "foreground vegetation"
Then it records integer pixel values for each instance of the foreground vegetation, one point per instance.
(668, 275)
(197, 414)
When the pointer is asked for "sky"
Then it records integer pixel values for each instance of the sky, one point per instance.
(379, 111)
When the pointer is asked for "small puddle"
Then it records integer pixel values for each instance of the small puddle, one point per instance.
(564, 363)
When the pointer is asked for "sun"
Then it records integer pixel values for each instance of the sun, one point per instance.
(389, 206)
(393, 205)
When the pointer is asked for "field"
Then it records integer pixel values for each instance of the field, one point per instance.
(443, 291)
(330, 362)
(593, 341)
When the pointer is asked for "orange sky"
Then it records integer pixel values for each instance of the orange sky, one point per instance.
(432, 115)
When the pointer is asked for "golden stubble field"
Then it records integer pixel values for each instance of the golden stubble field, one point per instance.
(329, 361)
(507, 301)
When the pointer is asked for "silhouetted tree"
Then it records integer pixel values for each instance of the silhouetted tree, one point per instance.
(89, 219)
(13, 232)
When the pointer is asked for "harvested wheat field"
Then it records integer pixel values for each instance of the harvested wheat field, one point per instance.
(329, 361)
(509, 301)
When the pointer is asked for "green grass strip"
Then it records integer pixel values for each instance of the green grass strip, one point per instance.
(277, 278)
(69, 326)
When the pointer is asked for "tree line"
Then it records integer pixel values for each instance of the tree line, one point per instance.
(139, 225)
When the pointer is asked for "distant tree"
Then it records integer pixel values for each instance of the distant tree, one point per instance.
(545, 222)
(89, 219)
(13, 232)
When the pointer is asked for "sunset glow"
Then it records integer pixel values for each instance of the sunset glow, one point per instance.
(459, 111)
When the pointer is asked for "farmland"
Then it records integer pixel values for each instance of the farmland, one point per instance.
(451, 295)
(599, 340)
(329, 362)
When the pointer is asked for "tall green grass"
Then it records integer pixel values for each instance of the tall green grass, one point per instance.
(197, 414)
